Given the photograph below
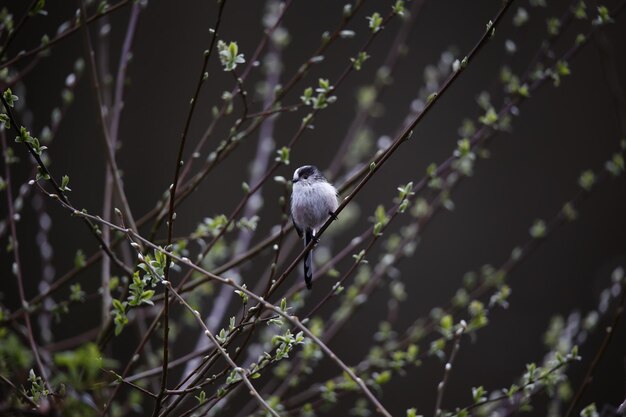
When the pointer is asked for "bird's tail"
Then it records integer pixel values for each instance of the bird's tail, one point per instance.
(308, 260)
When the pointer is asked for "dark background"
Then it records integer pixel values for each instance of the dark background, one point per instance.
(532, 171)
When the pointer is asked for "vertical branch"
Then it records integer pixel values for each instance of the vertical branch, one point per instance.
(107, 200)
(441, 388)
(17, 265)
(116, 110)
(117, 181)
(265, 148)
(172, 198)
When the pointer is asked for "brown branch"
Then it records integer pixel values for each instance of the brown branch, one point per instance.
(63, 35)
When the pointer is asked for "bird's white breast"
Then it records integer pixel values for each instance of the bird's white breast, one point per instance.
(312, 203)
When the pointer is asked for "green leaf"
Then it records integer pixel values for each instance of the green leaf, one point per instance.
(201, 397)
(587, 180)
(229, 55)
(478, 394)
(589, 411)
(64, 182)
(580, 10)
(489, 118)
(9, 97)
(538, 229)
(553, 26)
(38, 8)
(398, 8)
(375, 22)
(359, 60)
(4, 119)
(283, 155)
(603, 17)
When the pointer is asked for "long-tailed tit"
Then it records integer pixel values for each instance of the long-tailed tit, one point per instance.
(313, 200)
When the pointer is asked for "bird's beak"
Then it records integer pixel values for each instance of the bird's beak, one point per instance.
(295, 180)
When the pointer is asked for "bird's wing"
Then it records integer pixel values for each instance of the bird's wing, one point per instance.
(298, 230)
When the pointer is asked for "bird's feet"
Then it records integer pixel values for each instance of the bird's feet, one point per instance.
(333, 215)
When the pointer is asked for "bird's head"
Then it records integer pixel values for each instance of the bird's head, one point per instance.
(307, 175)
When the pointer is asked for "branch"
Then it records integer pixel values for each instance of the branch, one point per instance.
(447, 369)
(63, 35)
(610, 331)
(109, 150)
(17, 29)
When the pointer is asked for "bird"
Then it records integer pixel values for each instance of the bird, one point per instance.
(313, 201)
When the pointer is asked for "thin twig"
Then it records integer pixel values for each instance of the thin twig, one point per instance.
(441, 388)
(109, 151)
(610, 331)
(19, 391)
(63, 35)
(114, 122)
(17, 29)
(240, 371)
(130, 384)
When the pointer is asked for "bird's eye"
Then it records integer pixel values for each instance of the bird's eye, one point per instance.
(305, 177)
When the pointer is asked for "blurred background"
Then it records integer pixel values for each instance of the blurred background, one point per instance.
(530, 173)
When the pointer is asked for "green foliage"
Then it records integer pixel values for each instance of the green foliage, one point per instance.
(26, 137)
(243, 295)
(554, 26)
(603, 16)
(398, 8)
(83, 366)
(119, 315)
(375, 22)
(283, 155)
(587, 180)
(538, 229)
(590, 411)
(489, 118)
(580, 10)
(229, 55)
(38, 388)
(359, 60)
(14, 356)
(9, 97)
(211, 226)
(138, 292)
(323, 97)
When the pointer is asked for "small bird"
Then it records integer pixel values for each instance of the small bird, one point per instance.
(313, 200)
